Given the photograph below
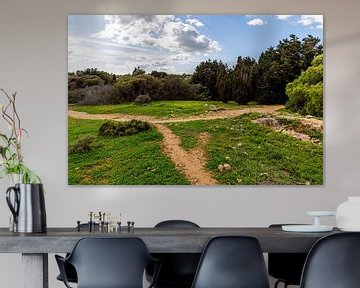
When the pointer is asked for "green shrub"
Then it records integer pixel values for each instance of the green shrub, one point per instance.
(306, 92)
(111, 128)
(81, 145)
(75, 96)
(142, 99)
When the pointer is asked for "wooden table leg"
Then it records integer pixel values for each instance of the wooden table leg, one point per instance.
(35, 270)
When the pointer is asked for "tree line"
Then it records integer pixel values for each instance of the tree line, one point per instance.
(263, 81)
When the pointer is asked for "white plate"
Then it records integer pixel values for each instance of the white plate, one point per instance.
(306, 228)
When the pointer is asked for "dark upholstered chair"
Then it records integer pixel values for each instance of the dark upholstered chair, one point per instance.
(232, 262)
(69, 269)
(178, 269)
(286, 267)
(333, 262)
(108, 263)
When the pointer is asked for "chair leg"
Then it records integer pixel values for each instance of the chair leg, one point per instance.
(278, 282)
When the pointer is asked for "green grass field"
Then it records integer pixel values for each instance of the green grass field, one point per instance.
(129, 160)
(160, 109)
(257, 155)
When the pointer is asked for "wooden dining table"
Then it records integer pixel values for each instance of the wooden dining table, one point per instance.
(35, 247)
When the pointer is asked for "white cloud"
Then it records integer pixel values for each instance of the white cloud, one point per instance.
(160, 31)
(314, 21)
(155, 42)
(152, 42)
(194, 21)
(256, 22)
(283, 17)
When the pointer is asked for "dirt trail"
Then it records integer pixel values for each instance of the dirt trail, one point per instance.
(190, 163)
(223, 114)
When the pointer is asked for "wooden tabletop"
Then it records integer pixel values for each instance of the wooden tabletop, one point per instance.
(158, 240)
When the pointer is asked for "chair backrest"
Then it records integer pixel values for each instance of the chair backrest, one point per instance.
(176, 224)
(110, 262)
(232, 262)
(286, 267)
(333, 262)
(178, 269)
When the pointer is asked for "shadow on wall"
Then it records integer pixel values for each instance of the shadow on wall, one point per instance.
(344, 39)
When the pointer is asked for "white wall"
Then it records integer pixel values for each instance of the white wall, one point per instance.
(33, 62)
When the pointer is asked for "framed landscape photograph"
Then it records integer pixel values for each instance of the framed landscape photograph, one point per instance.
(195, 100)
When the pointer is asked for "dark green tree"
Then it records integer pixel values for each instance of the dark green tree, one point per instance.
(310, 49)
(245, 80)
(207, 73)
(176, 87)
(281, 65)
(223, 86)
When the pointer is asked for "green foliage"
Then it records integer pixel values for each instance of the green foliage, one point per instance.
(223, 86)
(81, 145)
(245, 80)
(75, 96)
(87, 78)
(176, 87)
(281, 65)
(105, 76)
(111, 128)
(129, 87)
(207, 73)
(142, 99)
(306, 92)
(132, 160)
(263, 81)
(158, 74)
(138, 71)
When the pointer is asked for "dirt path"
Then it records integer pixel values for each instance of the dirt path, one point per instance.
(190, 163)
(223, 114)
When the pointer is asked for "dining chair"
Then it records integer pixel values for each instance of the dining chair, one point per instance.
(70, 271)
(232, 262)
(178, 269)
(285, 267)
(333, 262)
(108, 263)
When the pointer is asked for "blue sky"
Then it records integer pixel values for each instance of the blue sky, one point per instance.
(177, 43)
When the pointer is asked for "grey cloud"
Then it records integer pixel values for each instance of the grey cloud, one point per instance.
(192, 41)
(148, 42)
(159, 63)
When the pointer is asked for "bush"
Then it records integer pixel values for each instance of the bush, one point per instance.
(142, 99)
(99, 95)
(76, 96)
(176, 88)
(306, 92)
(111, 128)
(129, 87)
(81, 145)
